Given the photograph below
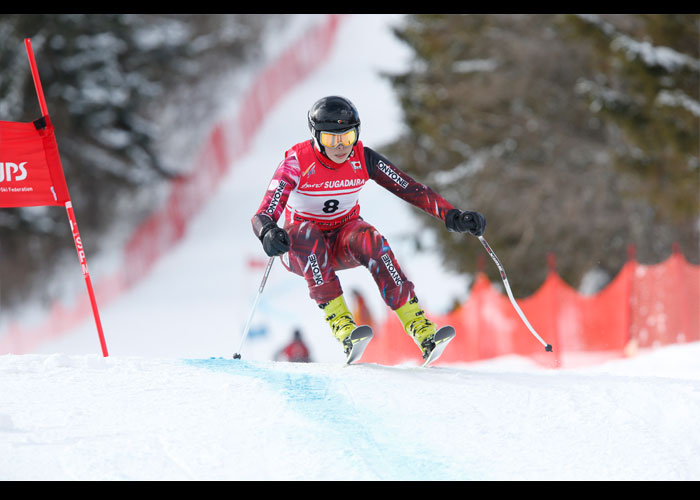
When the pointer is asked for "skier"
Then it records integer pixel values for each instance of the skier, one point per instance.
(296, 351)
(317, 186)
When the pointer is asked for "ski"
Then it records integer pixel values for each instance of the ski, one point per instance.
(440, 340)
(359, 338)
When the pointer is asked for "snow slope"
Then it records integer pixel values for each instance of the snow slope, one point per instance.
(170, 403)
(84, 417)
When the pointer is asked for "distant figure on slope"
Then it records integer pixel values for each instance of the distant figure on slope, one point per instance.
(296, 351)
(317, 185)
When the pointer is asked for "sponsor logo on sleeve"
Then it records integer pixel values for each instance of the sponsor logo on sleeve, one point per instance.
(389, 172)
(276, 198)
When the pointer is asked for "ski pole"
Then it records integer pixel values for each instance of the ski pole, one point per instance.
(237, 355)
(547, 347)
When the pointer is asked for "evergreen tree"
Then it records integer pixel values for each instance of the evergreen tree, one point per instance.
(646, 82)
(117, 87)
(501, 119)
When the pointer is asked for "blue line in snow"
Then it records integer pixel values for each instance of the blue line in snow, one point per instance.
(364, 436)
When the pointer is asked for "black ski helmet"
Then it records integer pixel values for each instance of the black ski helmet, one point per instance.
(332, 114)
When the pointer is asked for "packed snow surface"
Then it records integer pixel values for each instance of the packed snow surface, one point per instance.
(85, 417)
(170, 403)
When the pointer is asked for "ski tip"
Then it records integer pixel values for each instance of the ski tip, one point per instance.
(548, 348)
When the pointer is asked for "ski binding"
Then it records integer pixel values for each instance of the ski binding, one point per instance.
(440, 340)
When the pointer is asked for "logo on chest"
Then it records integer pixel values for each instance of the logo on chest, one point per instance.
(311, 170)
(326, 179)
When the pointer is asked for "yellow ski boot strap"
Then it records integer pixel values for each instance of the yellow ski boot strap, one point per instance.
(414, 322)
(339, 317)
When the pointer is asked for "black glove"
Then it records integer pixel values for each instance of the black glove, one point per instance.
(275, 241)
(465, 222)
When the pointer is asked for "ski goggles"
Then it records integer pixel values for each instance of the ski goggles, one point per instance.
(332, 140)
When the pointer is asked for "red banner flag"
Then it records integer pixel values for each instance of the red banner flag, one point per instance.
(30, 167)
(31, 175)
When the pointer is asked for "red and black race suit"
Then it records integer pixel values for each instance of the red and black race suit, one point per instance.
(320, 200)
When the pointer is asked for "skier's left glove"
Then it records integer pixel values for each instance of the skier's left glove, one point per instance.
(465, 222)
(274, 239)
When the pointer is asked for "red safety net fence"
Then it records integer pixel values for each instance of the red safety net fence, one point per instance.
(643, 306)
(166, 227)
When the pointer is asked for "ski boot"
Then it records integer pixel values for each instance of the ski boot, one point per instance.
(340, 319)
(420, 328)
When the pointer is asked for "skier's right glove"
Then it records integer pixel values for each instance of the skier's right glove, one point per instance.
(274, 239)
(465, 222)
